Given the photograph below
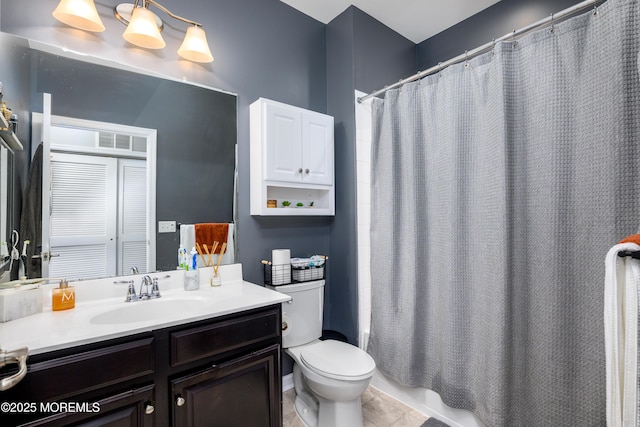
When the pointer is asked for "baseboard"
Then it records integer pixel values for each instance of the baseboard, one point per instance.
(287, 382)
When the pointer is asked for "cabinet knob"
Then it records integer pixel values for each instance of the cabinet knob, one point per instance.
(300, 170)
(306, 171)
(180, 401)
(149, 409)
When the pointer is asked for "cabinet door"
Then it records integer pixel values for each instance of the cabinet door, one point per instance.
(283, 148)
(242, 392)
(317, 149)
(133, 408)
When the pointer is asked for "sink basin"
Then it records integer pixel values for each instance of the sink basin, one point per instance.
(143, 311)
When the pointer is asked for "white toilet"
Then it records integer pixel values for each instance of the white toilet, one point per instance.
(329, 376)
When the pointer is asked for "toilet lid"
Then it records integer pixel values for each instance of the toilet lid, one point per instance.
(339, 360)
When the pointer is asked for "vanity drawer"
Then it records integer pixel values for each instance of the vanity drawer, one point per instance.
(216, 338)
(62, 377)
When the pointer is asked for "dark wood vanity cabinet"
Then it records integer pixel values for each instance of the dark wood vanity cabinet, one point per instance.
(241, 392)
(218, 372)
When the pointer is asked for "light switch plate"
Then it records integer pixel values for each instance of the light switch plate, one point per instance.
(166, 226)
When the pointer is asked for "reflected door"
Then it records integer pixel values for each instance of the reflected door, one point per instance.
(132, 232)
(83, 217)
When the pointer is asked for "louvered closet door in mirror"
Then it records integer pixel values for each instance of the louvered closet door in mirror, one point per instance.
(83, 216)
(132, 215)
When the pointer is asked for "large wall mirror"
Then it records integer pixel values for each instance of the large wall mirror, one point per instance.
(195, 133)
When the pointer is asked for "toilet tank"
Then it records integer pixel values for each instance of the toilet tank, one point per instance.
(302, 316)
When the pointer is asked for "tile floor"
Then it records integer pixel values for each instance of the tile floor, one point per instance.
(378, 410)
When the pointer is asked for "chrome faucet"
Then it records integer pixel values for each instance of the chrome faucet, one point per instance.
(155, 289)
(131, 292)
(146, 282)
(144, 293)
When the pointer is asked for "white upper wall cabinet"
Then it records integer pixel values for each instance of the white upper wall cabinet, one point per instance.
(298, 144)
(291, 160)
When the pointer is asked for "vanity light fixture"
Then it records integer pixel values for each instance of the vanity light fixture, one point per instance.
(143, 26)
(80, 14)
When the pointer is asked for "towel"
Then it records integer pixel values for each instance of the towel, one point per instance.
(634, 238)
(209, 233)
(622, 282)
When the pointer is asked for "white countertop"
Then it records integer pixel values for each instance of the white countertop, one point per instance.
(101, 313)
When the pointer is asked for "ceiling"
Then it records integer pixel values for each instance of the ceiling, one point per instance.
(416, 20)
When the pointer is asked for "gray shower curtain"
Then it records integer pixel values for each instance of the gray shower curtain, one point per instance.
(498, 187)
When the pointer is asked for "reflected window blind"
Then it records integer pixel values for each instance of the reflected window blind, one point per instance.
(79, 262)
(134, 254)
(79, 199)
(134, 199)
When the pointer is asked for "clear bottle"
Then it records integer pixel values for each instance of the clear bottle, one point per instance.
(63, 297)
(181, 251)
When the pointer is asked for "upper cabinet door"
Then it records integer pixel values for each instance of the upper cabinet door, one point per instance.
(317, 148)
(283, 148)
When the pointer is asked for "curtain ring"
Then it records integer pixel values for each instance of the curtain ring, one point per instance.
(466, 59)
(595, 7)
(551, 29)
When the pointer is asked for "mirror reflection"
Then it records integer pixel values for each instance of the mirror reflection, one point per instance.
(125, 152)
(6, 171)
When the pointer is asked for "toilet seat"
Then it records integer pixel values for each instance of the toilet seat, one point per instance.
(337, 360)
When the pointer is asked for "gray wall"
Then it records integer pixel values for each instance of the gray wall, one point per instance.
(362, 54)
(492, 23)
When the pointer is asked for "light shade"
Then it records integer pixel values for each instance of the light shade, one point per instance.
(194, 46)
(80, 14)
(143, 31)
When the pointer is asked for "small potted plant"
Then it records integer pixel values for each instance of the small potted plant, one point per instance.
(299, 204)
(286, 203)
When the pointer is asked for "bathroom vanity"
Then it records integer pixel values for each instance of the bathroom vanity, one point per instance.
(212, 359)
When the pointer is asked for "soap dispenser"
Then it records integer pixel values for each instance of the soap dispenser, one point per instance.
(63, 297)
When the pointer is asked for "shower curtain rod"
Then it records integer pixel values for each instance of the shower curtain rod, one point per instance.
(487, 46)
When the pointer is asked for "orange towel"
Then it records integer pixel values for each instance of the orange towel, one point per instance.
(208, 233)
(634, 238)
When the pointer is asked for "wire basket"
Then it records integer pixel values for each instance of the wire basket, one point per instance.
(275, 275)
(308, 274)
